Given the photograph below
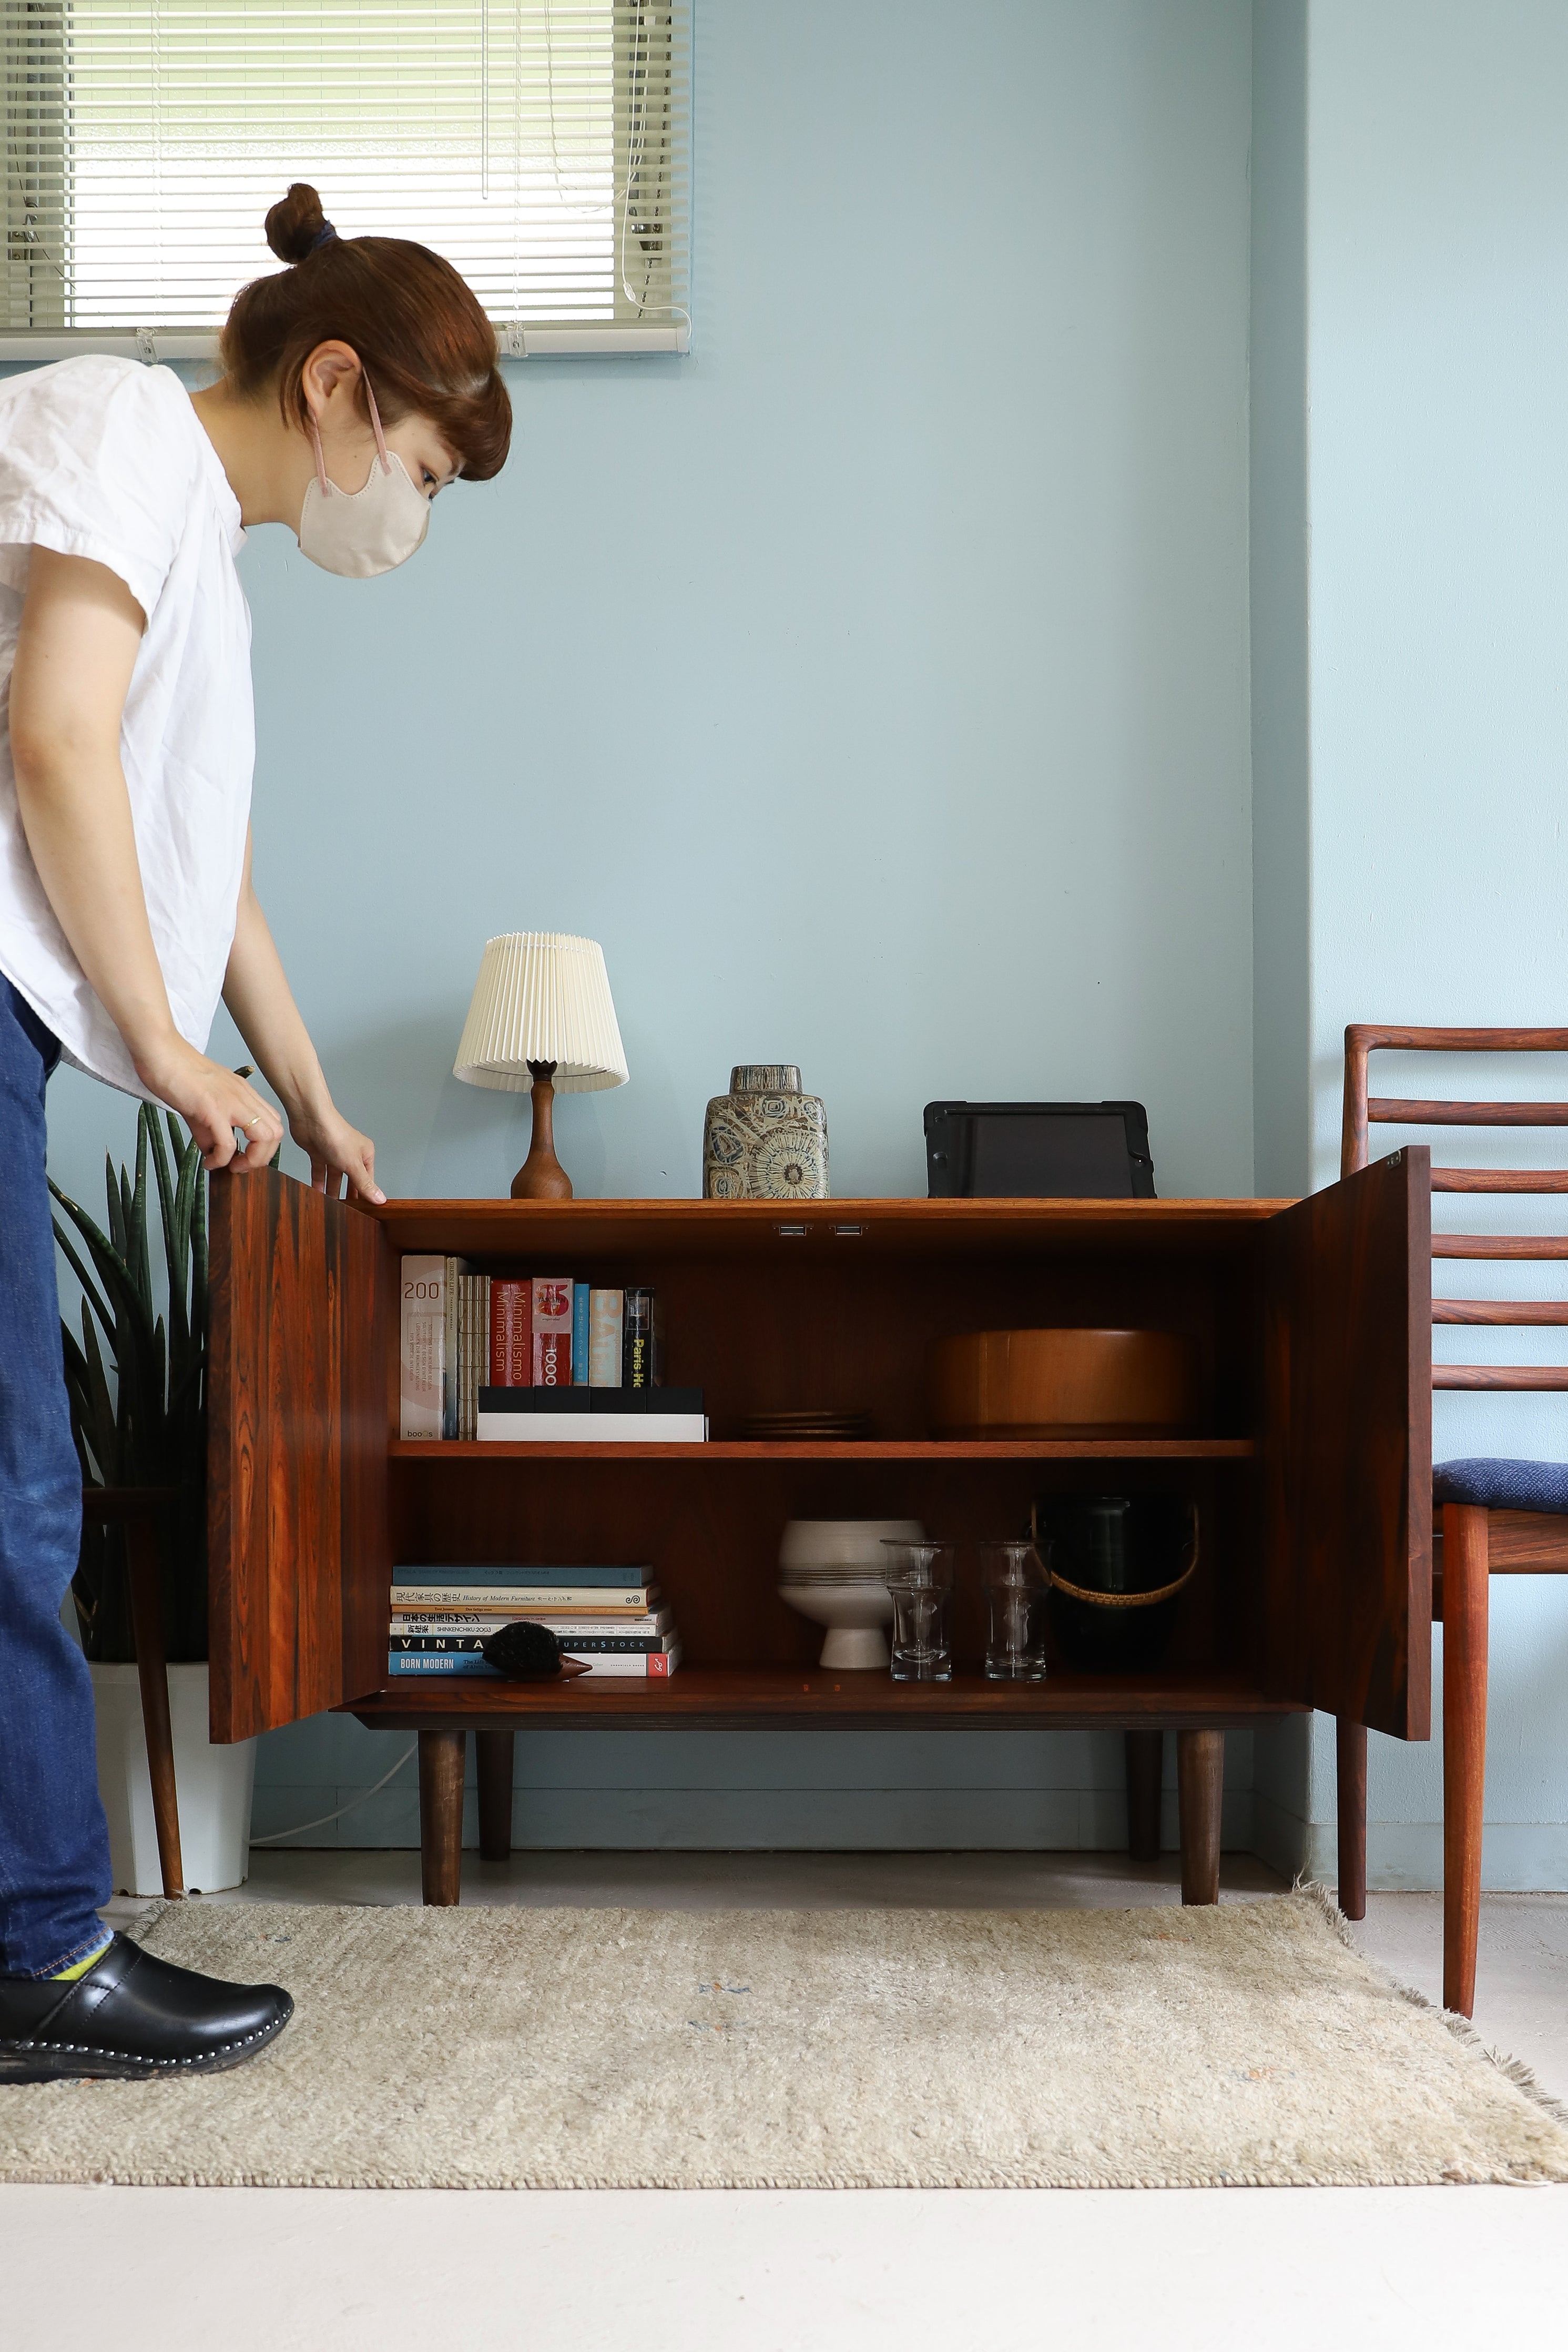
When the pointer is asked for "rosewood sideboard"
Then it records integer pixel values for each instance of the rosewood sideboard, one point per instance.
(1312, 1473)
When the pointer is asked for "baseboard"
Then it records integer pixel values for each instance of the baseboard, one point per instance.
(1282, 1838)
(826, 1821)
(1407, 1857)
(825, 1790)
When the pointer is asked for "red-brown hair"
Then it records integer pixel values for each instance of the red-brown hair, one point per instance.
(421, 338)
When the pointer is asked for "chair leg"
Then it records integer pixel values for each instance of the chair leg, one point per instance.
(1464, 1597)
(1145, 1767)
(152, 1673)
(493, 1765)
(1349, 1743)
(1200, 1787)
(441, 1755)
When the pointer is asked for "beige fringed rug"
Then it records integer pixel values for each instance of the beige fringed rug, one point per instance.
(493, 2047)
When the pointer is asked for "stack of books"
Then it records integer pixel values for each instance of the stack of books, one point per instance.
(463, 1332)
(612, 1619)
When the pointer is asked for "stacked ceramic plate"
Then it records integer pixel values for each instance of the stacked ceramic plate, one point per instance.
(833, 1572)
(809, 1426)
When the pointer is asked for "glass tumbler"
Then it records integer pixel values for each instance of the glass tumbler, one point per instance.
(1016, 1592)
(919, 1576)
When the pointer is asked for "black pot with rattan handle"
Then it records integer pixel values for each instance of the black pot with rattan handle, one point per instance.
(1118, 1566)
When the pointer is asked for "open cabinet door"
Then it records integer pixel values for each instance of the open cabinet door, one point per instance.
(1348, 1449)
(297, 1555)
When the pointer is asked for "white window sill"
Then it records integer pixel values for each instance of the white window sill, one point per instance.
(516, 343)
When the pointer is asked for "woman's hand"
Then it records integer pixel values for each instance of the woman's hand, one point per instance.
(338, 1154)
(213, 1102)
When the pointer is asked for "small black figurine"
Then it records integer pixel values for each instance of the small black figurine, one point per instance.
(528, 1653)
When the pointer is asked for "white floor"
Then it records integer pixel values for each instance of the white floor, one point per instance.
(1185, 2271)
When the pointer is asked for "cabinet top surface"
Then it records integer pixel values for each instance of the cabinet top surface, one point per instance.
(735, 1228)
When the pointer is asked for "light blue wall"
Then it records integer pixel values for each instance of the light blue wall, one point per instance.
(1281, 712)
(1438, 359)
(872, 683)
(1281, 894)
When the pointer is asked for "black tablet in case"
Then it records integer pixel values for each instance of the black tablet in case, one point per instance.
(1038, 1151)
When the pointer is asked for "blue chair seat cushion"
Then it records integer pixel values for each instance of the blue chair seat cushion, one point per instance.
(1503, 1485)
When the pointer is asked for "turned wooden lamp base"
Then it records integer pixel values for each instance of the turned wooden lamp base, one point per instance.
(541, 1176)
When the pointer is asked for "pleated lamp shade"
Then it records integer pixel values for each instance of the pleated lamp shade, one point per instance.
(542, 996)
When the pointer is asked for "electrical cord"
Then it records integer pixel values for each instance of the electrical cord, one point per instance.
(299, 1828)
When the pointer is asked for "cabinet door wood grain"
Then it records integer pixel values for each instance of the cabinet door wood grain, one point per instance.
(1347, 1569)
(299, 1561)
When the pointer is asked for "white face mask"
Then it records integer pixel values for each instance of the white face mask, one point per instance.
(360, 533)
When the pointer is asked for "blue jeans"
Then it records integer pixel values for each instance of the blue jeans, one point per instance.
(54, 1845)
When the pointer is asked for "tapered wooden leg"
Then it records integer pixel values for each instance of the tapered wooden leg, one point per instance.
(1465, 1553)
(1350, 1749)
(441, 1758)
(152, 1673)
(1200, 1786)
(493, 1759)
(1145, 1767)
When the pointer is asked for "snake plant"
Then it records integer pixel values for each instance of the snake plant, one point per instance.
(151, 1429)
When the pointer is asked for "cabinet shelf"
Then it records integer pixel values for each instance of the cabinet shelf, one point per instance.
(917, 1449)
(738, 1698)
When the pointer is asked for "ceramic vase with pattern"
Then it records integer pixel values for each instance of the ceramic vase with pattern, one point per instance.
(765, 1141)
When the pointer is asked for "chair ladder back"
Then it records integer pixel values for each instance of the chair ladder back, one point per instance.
(1363, 1110)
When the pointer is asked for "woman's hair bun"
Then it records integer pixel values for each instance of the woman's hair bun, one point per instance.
(294, 225)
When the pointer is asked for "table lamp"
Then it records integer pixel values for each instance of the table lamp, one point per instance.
(541, 1018)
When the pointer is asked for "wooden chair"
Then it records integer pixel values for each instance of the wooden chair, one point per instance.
(138, 1510)
(1498, 1517)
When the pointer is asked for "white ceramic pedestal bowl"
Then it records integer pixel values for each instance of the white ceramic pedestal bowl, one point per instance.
(831, 1570)
(853, 1608)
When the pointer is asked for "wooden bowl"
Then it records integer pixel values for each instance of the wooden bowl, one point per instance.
(1062, 1384)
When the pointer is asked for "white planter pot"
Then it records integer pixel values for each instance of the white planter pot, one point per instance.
(212, 1785)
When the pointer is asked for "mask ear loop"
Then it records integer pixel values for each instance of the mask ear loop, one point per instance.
(375, 427)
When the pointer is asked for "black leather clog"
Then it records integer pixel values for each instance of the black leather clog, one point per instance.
(130, 2016)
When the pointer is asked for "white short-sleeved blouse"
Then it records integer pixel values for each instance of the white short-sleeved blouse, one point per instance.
(107, 458)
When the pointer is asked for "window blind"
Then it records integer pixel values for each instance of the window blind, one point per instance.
(542, 146)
